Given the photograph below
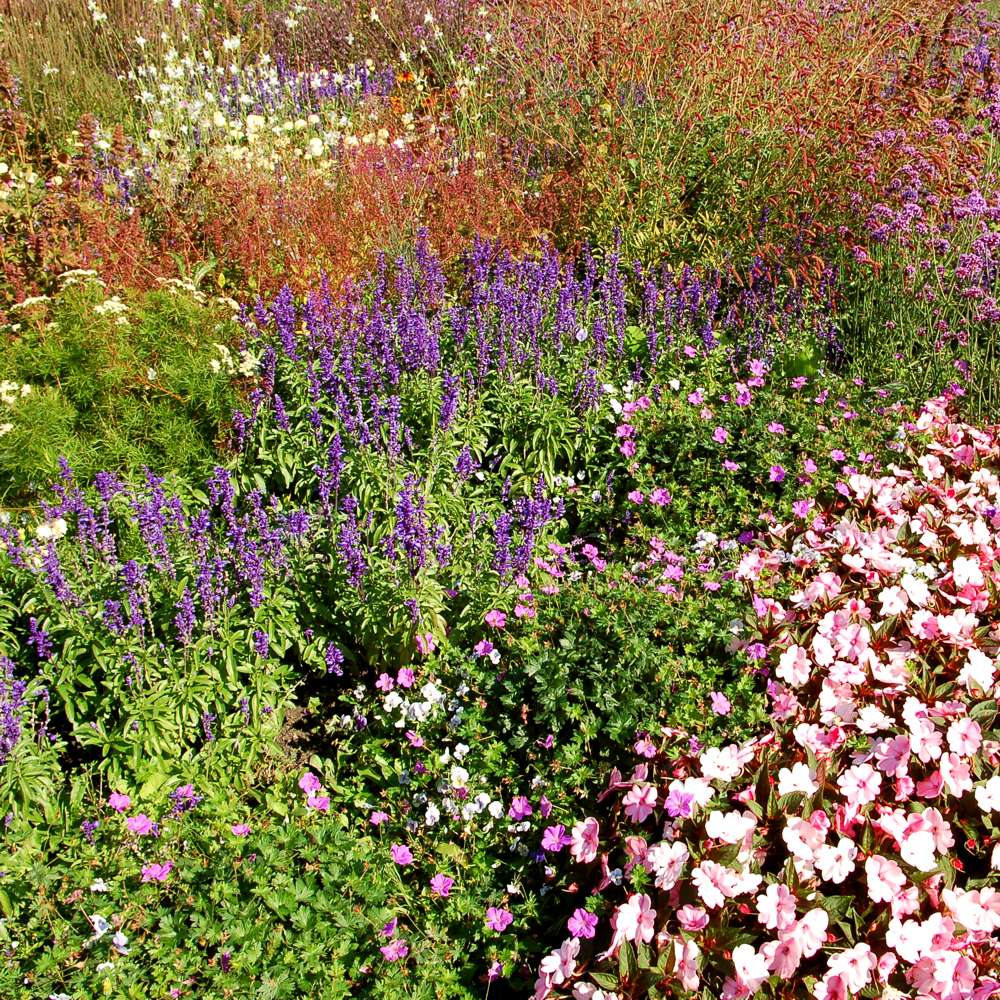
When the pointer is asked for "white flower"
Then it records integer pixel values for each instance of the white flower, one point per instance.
(979, 670)
(798, 778)
(100, 925)
(988, 795)
(98, 885)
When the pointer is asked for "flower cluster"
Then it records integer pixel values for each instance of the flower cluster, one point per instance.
(853, 846)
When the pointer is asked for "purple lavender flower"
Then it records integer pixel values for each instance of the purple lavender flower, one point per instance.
(12, 702)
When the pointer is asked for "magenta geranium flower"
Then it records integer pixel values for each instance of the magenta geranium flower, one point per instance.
(495, 618)
(321, 803)
(441, 885)
(309, 783)
(395, 950)
(520, 808)
(498, 919)
(555, 838)
(157, 872)
(140, 824)
(401, 854)
(240, 829)
(582, 924)
(119, 801)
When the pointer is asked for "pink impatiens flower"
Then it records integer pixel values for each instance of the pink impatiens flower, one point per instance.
(860, 785)
(633, 921)
(713, 883)
(584, 840)
(783, 956)
(809, 933)
(558, 966)
(836, 863)
(776, 907)
(692, 918)
(750, 967)
(639, 802)
(667, 860)
(885, 878)
(793, 666)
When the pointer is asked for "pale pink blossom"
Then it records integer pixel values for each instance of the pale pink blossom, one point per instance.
(633, 921)
(860, 785)
(750, 967)
(686, 955)
(836, 863)
(793, 666)
(885, 878)
(783, 957)
(639, 802)
(776, 907)
(560, 965)
(692, 918)
(798, 778)
(667, 861)
(585, 837)
(731, 827)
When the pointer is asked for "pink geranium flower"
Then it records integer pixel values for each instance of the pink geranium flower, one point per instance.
(395, 950)
(119, 801)
(140, 824)
(498, 919)
(441, 885)
(401, 854)
(309, 783)
(157, 872)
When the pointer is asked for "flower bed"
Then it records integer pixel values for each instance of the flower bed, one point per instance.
(853, 847)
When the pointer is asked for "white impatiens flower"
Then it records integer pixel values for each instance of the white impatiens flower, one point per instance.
(797, 778)
(980, 670)
(988, 795)
(836, 863)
